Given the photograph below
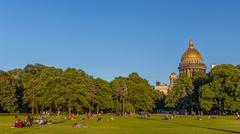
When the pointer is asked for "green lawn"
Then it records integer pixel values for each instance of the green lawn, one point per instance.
(131, 125)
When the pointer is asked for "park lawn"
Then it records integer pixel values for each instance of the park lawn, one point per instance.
(131, 125)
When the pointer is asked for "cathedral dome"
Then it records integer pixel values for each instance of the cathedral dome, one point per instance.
(191, 61)
(191, 55)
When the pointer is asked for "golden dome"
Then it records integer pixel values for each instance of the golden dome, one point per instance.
(191, 55)
(191, 61)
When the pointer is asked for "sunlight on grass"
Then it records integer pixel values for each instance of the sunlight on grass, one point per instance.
(130, 125)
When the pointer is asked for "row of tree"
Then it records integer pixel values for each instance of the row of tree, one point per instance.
(39, 87)
(217, 92)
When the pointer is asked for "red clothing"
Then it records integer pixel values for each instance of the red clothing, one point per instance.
(19, 123)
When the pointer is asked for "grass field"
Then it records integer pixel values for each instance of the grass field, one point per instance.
(131, 125)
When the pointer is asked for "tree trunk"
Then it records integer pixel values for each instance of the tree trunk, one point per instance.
(117, 108)
(33, 107)
(97, 109)
(37, 109)
(50, 108)
(123, 112)
(222, 107)
(69, 110)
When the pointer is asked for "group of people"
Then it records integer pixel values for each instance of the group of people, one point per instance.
(28, 122)
(41, 120)
(89, 117)
(145, 115)
(47, 118)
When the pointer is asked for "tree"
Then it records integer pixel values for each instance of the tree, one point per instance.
(141, 95)
(50, 84)
(73, 92)
(120, 93)
(160, 101)
(207, 98)
(16, 75)
(92, 95)
(8, 86)
(180, 96)
(104, 98)
(30, 80)
(224, 86)
(133, 94)
(199, 79)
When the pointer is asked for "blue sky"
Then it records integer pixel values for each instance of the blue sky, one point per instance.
(109, 38)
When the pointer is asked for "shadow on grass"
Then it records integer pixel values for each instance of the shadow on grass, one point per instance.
(145, 118)
(58, 122)
(215, 129)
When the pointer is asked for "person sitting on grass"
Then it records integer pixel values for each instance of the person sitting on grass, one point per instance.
(99, 119)
(166, 117)
(51, 120)
(71, 117)
(237, 115)
(42, 121)
(111, 118)
(82, 119)
(199, 118)
(31, 120)
(148, 115)
(89, 116)
(18, 123)
(28, 121)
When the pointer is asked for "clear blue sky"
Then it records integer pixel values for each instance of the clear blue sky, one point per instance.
(109, 38)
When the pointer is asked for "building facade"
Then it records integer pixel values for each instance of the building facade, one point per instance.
(164, 88)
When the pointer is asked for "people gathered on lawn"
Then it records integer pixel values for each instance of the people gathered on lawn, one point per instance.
(43, 119)
(28, 122)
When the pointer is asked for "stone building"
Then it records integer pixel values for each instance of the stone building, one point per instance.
(173, 78)
(164, 88)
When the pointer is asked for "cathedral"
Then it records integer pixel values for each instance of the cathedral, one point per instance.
(191, 62)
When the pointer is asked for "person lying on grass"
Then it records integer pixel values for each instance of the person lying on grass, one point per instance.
(41, 121)
(75, 125)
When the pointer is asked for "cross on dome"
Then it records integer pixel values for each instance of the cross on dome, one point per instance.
(191, 45)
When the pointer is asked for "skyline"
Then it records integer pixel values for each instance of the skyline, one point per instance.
(109, 39)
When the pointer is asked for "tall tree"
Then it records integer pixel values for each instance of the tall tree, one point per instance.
(224, 86)
(50, 84)
(8, 87)
(104, 98)
(198, 79)
(30, 80)
(141, 95)
(180, 96)
(120, 93)
(207, 98)
(74, 91)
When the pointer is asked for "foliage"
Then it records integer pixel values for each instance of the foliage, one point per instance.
(180, 96)
(222, 92)
(8, 100)
(39, 87)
